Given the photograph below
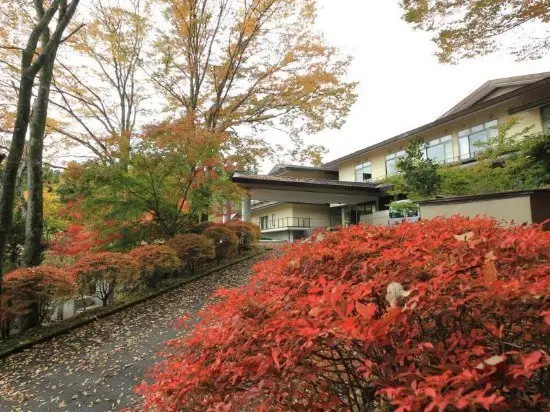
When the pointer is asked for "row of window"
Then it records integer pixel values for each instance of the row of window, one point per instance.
(439, 150)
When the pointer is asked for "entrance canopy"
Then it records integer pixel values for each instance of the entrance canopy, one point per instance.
(306, 190)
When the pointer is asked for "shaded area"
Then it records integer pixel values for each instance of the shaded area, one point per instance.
(94, 368)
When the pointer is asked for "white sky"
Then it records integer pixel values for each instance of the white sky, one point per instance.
(402, 85)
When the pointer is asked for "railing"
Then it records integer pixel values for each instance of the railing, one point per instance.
(285, 222)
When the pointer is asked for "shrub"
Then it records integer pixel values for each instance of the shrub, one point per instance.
(247, 232)
(193, 249)
(34, 291)
(224, 239)
(155, 262)
(447, 314)
(201, 227)
(99, 274)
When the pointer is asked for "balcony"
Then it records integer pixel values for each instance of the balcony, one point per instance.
(284, 223)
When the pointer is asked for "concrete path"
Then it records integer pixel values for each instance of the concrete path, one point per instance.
(94, 368)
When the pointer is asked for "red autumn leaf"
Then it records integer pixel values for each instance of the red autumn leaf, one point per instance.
(367, 311)
(489, 269)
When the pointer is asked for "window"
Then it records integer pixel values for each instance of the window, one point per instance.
(363, 172)
(391, 162)
(440, 150)
(470, 140)
(264, 222)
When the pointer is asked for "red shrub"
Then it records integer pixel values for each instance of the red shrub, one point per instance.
(193, 249)
(99, 274)
(411, 315)
(155, 262)
(38, 286)
(247, 232)
(224, 239)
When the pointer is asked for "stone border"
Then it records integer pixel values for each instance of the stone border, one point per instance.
(95, 315)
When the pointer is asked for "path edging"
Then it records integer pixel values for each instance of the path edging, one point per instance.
(27, 343)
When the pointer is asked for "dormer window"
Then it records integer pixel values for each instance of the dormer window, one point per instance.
(363, 172)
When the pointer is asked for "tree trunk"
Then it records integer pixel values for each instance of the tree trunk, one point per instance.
(30, 66)
(7, 196)
(124, 149)
(32, 253)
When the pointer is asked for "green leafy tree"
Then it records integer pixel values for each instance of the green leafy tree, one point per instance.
(420, 176)
(467, 29)
(168, 186)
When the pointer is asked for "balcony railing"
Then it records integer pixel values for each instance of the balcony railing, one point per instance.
(285, 222)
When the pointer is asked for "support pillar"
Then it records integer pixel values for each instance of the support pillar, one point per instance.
(246, 204)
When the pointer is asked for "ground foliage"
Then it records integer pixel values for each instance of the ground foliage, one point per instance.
(446, 314)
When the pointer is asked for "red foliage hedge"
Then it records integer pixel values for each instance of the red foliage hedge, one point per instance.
(447, 314)
(39, 286)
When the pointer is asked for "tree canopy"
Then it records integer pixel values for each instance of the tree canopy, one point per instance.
(466, 29)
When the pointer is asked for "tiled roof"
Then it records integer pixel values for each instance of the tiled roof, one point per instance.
(283, 166)
(301, 181)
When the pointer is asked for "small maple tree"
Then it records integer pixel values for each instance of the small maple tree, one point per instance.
(441, 314)
(155, 262)
(193, 249)
(225, 240)
(98, 274)
(34, 289)
(247, 232)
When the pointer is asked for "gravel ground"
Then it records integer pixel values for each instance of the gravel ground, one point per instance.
(94, 368)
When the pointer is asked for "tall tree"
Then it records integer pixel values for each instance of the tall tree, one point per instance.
(466, 29)
(98, 87)
(245, 65)
(33, 59)
(32, 252)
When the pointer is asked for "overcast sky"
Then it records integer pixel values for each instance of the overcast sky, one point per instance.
(402, 85)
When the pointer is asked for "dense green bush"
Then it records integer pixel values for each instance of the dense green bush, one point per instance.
(193, 249)
(224, 239)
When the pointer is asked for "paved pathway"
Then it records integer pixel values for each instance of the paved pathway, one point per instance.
(94, 368)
